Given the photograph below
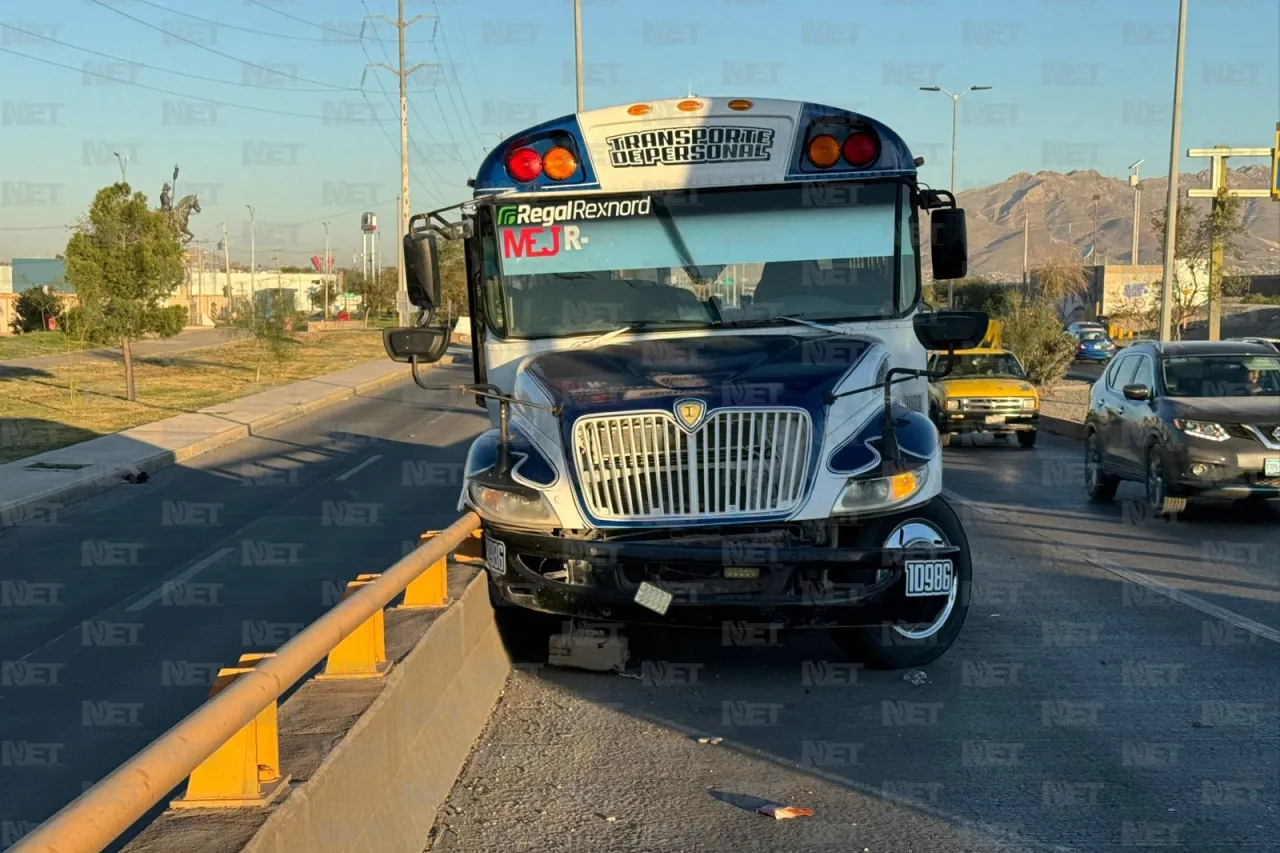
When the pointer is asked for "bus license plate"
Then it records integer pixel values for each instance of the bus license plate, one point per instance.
(495, 556)
(1271, 467)
(995, 419)
(929, 577)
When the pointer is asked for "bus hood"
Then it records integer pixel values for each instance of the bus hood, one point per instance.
(746, 370)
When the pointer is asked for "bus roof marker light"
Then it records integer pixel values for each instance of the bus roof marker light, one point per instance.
(860, 149)
(689, 106)
(739, 104)
(524, 165)
(639, 109)
(559, 164)
(824, 151)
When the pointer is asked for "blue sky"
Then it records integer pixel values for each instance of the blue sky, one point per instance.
(1077, 84)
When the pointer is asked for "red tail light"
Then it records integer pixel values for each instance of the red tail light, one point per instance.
(524, 165)
(860, 149)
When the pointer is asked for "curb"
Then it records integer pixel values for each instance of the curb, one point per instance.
(58, 496)
(1064, 428)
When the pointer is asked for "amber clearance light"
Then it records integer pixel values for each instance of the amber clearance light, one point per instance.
(824, 151)
(559, 163)
(689, 106)
(739, 104)
(639, 109)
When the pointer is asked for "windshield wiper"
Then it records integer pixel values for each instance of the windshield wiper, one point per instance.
(792, 318)
(641, 325)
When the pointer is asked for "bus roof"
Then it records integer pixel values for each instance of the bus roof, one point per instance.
(693, 142)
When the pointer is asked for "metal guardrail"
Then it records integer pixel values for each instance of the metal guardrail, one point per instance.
(98, 816)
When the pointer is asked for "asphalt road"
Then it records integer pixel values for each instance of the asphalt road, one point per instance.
(114, 620)
(1115, 686)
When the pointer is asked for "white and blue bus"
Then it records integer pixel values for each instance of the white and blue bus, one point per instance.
(698, 327)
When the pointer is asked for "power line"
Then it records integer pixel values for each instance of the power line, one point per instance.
(387, 133)
(449, 54)
(448, 91)
(269, 111)
(351, 38)
(160, 69)
(413, 109)
(311, 23)
(205, 47)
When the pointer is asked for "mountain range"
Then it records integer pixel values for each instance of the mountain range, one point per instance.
(1059, 209)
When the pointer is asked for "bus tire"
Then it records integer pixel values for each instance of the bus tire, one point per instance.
(893, 646)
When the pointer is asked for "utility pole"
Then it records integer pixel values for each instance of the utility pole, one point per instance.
(1219, 192)
(325, 263)
(1171, 202)
(1094, 249)
(577, 51)
(226, 253)
(1026, 235)
(402, 297)
(1136, 183)
(253, 256)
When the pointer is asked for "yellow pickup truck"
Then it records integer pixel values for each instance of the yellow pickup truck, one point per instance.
(986, 391)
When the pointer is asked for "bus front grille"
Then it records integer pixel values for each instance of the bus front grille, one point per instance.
(644, 466)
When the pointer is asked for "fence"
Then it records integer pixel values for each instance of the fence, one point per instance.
(228, 746)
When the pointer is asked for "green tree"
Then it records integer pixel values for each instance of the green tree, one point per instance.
(34, 308)
(1033, 332)
(124, 261)
(270, 322)
(377, 295)
(453, 276)
(1196, 234)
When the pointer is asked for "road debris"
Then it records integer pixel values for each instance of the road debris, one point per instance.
(916, 677)
(714, 741)
(784, 812)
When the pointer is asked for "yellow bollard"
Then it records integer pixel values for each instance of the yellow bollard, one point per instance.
(245, 771)
(429, 589)
(363, 654)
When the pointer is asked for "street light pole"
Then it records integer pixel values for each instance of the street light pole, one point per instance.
(253, 256)
(955, 114)
(1136, 182)
(577, 51)
(124, 164)
(1171, 202)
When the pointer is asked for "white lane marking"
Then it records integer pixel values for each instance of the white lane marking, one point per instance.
(1172, 593)
(342, 478)
(181, 577)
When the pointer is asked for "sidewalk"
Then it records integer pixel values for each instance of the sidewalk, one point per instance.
(184, 341)
(33, 495)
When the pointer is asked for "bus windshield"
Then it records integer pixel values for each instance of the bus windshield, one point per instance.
(686, 258)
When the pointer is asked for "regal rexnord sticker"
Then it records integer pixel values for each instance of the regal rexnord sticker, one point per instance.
(578, 208)
(685, 145)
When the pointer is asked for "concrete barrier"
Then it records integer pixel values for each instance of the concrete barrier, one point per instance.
(376, 778)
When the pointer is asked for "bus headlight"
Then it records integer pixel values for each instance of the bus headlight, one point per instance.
(878, 493)
(514, 509)
(951, 405)
(1030, 403)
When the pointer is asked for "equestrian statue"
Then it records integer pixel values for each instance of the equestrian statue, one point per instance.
(180, 215)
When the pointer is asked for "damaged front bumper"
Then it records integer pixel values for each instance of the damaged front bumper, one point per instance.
(712, 584)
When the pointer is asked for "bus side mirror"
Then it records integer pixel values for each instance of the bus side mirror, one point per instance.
(422, 269)
(946, 331)
(427, 343)
(949, 244)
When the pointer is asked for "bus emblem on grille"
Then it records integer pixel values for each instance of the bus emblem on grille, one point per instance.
(690, 413)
